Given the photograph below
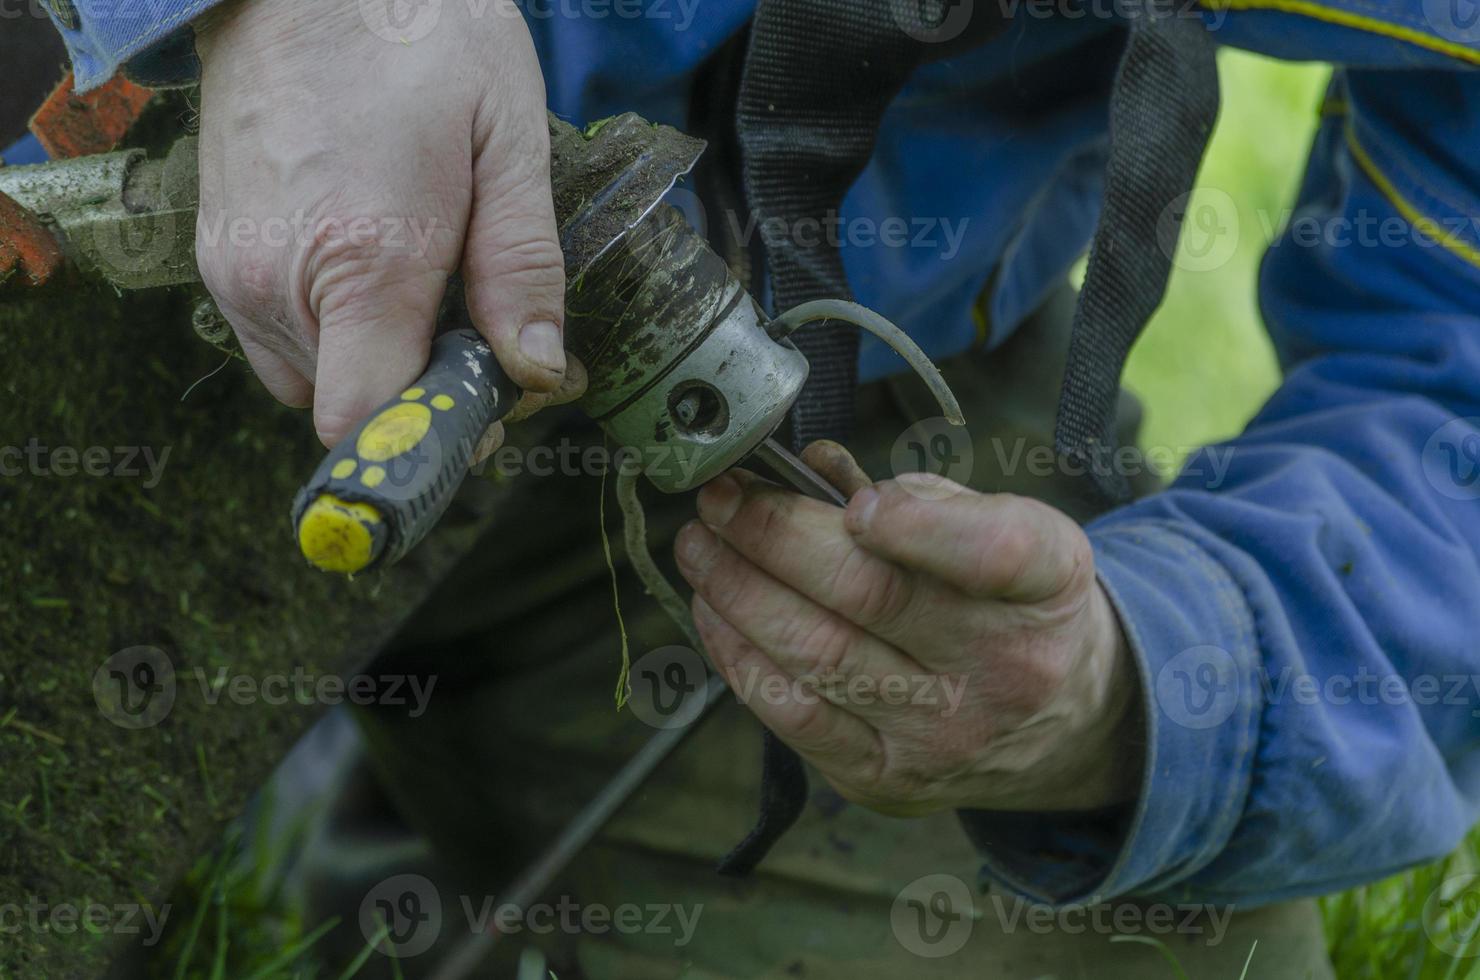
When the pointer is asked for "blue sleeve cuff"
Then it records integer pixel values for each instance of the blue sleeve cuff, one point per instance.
(154, 40)
(1196, 648)
(170, 63)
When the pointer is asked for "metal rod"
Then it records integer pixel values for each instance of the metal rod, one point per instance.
(465, 960)
(801, 476)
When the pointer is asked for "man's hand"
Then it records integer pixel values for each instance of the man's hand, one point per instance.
(929, 647)
(344, 176)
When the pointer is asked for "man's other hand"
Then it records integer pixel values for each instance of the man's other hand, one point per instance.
(348, 165)
(929, 647)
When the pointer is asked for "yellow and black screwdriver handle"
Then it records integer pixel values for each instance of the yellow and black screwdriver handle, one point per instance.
(383, 487)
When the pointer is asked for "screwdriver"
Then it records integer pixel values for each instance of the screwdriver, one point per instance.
(382, 488)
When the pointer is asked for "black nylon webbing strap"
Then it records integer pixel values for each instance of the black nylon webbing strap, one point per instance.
(818, 75)
(1162, 111)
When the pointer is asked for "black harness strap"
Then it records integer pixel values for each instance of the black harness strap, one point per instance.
(817, 77)
(1162, 111)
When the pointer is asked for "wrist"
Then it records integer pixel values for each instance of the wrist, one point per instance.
(1098, 749)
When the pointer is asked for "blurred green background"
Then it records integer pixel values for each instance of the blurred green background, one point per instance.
(1204, 364)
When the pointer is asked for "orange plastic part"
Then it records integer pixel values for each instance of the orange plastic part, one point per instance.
(72, 125)
(25, 244)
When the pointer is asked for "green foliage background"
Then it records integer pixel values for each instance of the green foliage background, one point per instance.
(1204, 365)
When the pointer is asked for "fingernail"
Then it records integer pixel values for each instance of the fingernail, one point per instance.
(719, 500)
(540, 342)
(696, 545)
(861, 508)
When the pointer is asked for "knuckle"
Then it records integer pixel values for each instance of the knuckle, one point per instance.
(1079, 566)
(1002, 552)
(512, 282)
(748, 595)
(513, 155)
(871, 594)
(771, 513)
(349, 275)
(951, 756)
(808, 722)
(1031, 685)
(761, 521)
(825, 642)
(881, 785)
(897, 506)
(333, 422)
(531, 263)
(331, 247)
(248, 280)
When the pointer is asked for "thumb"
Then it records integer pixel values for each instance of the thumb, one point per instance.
(512, 263)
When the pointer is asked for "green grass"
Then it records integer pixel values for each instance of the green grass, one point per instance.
(1203, 367)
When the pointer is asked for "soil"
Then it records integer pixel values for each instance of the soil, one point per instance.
(200, 564)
